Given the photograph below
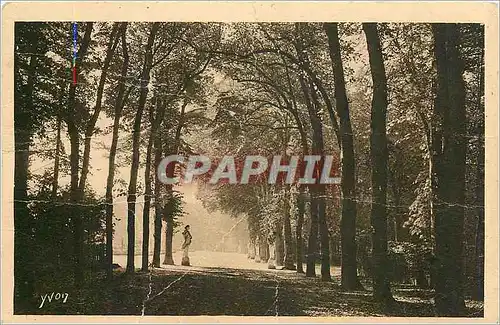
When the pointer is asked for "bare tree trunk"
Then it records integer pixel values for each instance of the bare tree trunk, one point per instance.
(170, 173)
(287, 228)
(89, 131)
(147, 205)
(317, 190)
(298, 229)
(379, 157)
(169, 229)
(158, 205)
(169, 220)
(312, 242)
(318, 221)
(449, 212)
(293, 109)
(169, 217)
(279, 245)
(132, 189)
(75, 193)
(153, 139)
(320, 189)
(57, 154)
(397, 231)
(119, 104)
(324, 239)
(55, 181)
(74, 197)
(169, 232)
(313, 232)
(349, 277)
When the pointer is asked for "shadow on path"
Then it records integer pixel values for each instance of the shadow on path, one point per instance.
(177, 290)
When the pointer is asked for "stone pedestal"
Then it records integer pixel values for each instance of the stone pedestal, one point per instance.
(185, 261)
(185, 256)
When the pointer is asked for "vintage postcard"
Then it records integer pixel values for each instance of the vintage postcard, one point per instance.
(244, 162)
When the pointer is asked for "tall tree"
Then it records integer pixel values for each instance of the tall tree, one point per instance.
(320, 189)
(313, 232)
(318, 206)
(301, 196)
(287, 230)
(379, 160)
(349, 278)
(57, 154)
(299, 251)
(154, 144)
(158, 151)
(134, 168)
(169, 213)
(23, 137)
(450, 151)
(147, 200)
(76, 194)
(90, 127)
(118, 109)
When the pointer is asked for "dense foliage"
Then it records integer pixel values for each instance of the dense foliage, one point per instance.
(377, 96)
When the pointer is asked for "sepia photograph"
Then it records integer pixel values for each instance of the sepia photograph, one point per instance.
(309, 167)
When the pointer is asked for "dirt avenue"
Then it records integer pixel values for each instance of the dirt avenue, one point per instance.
(231, 284)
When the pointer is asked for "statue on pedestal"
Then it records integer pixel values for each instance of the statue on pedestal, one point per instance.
(185, 246)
